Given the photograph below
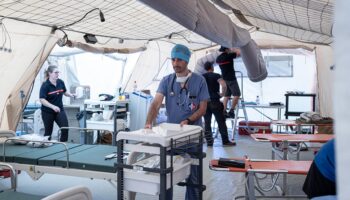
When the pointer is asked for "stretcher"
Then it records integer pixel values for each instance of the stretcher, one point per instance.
(268, 167)
(61, 158)
(76, 192)
(281, 142)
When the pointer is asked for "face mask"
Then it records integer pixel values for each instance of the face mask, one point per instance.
(183, 78)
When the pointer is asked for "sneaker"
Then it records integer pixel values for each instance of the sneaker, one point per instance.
(226, 115)
(229, 143)
(231, 114)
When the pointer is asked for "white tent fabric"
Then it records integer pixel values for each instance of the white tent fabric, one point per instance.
(341, 98)
(19, 68)
(149, 64)
(304, 20)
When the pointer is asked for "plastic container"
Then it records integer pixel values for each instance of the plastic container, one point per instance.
(257, 101)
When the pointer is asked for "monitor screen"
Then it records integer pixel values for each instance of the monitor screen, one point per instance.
(300, 104)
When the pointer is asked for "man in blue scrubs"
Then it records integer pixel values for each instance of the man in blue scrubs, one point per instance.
(186, 95)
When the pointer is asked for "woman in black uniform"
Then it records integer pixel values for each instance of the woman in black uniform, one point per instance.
(51, 93)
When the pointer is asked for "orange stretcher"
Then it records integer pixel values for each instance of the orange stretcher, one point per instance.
(286, 139)
(268, 167)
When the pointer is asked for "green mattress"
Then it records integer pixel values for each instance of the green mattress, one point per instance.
(81, 156)
(9, 194)
(92, 159)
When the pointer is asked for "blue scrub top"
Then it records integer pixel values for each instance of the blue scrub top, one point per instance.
(181, 104)
(325, 161)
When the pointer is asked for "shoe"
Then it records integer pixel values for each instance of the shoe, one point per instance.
(231, 114)
(209, 145)
(226, 115)
(229, 143)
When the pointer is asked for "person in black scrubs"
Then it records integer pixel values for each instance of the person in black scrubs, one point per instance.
(51, 93)
(215, 106)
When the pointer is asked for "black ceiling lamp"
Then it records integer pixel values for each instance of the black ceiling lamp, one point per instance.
(102, 17)
(90, 38)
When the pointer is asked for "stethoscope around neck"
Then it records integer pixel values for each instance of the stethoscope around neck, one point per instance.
(183, 88)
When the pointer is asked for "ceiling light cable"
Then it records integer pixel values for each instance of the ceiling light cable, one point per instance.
(102, 18)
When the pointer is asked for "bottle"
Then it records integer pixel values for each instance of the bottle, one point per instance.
(120, 95)
(135, 86)
(127, 96)
(257, 101)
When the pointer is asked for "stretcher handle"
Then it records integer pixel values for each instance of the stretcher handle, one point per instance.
(13, 175)
(219, 168)
(16, 139)
(267, 171)
(260, 160)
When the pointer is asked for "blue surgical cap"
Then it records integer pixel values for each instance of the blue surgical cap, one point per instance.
(182, 52)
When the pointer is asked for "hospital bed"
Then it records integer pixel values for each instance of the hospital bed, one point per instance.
(275, 168)
(281, 142)
(72, 193)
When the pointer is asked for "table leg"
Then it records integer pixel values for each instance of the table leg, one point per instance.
(251, 186)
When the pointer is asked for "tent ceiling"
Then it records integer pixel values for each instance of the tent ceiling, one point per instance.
(302, 20)
(125, 19)
(130, 20)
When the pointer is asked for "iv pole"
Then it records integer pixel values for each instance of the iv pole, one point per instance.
(22, 96)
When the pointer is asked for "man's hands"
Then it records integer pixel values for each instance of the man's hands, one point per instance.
(148, 126)
(237, 51)
(184, 122)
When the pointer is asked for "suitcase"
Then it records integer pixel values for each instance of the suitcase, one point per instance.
(253, 127)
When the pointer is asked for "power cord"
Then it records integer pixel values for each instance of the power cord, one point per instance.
(102, 18)
(62, 41)
(6, 35)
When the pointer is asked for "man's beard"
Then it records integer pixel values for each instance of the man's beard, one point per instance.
(179, 69)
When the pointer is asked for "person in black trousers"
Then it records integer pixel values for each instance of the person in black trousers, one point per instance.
(215, 106)
(226, 64)
(51, 93)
